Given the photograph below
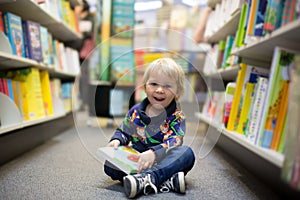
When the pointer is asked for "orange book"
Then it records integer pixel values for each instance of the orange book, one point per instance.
(281, 115)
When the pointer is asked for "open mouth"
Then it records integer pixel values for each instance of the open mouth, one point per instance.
(159, 98)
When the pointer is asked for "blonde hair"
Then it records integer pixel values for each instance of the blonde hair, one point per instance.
(168, 67)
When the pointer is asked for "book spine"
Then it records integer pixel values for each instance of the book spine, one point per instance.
(237, 96)
(257, 108)
(245, 108)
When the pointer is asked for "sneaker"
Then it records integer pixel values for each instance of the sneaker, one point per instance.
(135, 184)
(176, 183)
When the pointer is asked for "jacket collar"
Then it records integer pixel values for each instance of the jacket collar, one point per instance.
(156, 119)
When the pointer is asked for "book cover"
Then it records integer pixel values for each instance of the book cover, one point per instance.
(290, 169)
(45, 44)
(260, 18)
(247, 99)
(46, 92)
(281, 62)
(13, 30)
(227, 51)
(246, 73)
(125, 158)
(252, 19)
(32, 102)
(288, 13)
(240, 35)
(284, 89)
(122, 60)
(32, 40)
(254, 116)
(273, 15)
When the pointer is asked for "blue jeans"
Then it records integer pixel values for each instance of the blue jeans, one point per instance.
(177, 159)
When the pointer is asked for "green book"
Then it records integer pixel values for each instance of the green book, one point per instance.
(240, 35)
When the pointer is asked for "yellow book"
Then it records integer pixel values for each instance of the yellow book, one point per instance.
(237, 96)
(46, 92)
(245, 107)
(32, 101)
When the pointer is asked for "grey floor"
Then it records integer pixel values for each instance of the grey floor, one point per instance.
(66, 167)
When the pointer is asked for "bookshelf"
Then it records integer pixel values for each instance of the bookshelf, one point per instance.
(16, 134)
(265, 163)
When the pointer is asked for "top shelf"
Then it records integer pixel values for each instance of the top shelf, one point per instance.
(262, 49)
(29, 10)
(229, 27)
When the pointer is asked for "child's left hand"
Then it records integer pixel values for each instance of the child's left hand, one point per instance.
(146, 160)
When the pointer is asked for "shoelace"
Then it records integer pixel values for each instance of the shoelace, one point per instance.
(166, 186)
(146, 182)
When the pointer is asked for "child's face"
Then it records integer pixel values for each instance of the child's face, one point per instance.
(160, 89)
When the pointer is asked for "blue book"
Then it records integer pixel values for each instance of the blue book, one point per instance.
(14, 32)
(32, 39)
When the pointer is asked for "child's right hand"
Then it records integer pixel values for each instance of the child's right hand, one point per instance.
(114, 143)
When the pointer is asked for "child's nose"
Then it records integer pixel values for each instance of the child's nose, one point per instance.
(160, 89)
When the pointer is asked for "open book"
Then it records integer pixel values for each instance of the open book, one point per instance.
(125, 157)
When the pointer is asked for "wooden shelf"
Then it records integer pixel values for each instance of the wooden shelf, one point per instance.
(228, 28)
(29, 10)
(262, 49)
(267, 154)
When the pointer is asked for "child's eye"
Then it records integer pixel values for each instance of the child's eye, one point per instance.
(153, 84)
(168, 86)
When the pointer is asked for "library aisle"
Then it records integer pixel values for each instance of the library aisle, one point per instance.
(64, 168)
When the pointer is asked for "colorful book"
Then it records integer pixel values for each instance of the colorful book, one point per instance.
(290, 172)
(32, 39)
(125, 158)
(260, 18)
(46, 92)
(45, 44)
(247, 73)
(254, 116)
(240, 35)
(281, 62)
(32, 101)
(252, 19)
(247, 99)
(284, 91)
(288, 13)
(14, 32)
(273, 15)
(227, 51)
(122, 60)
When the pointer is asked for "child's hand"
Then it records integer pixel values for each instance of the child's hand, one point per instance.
(146, 160)
(114, 143)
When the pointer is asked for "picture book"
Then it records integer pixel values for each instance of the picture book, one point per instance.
(45, 44)
(32, 40)
(32, 101)
(122, 60)
(273, 15)
(246, 73)
(14, 32)
(46, 92)
(125, 157)
(290, 169)
(254, 115)
(281, 62)
(288, 13)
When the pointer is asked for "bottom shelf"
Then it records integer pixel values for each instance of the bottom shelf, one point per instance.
(17, 142)
(264, 164)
